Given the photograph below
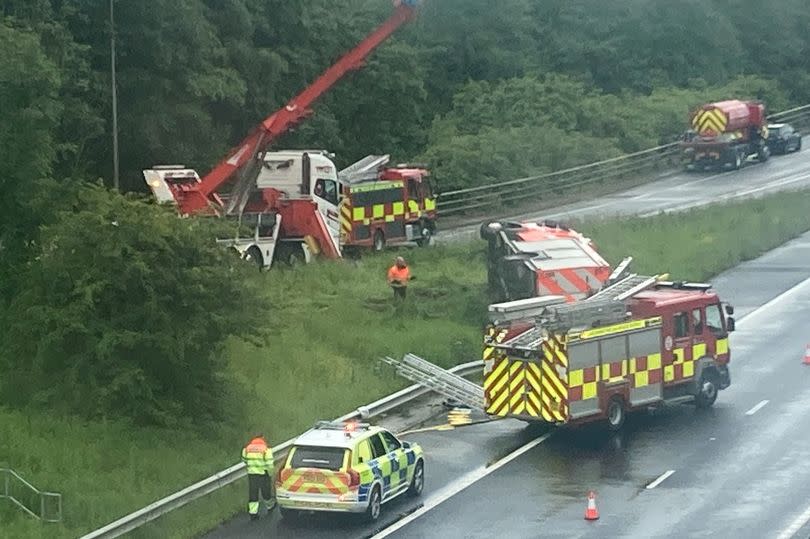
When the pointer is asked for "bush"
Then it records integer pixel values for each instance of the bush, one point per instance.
(124, 312)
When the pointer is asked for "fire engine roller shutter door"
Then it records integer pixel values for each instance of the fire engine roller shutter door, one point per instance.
(645, 366)
(554, 379)
(496, 373)
(583, 377)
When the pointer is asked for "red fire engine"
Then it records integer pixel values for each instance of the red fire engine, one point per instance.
(637, 343)
(383, 204)
(290, 198)
(538, 259)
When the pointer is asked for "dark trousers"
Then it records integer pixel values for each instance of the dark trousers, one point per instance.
(258, 484)
(400, 292)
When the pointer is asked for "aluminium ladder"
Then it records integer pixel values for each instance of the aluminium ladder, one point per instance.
(441, 381)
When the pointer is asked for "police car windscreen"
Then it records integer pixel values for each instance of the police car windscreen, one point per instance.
(324, 458)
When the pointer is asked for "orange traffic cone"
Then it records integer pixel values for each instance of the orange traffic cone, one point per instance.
(807, 355)
(591, 513)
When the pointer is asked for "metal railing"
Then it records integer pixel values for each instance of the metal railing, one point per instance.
(45, 506)
(237, 471)
(643, 164)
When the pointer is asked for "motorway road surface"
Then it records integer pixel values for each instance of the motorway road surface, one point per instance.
(675, 192)
(741, 469)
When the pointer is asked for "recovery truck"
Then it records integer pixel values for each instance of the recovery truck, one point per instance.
(724, 135)
(638, 342)
(528, 259)
(290, 199)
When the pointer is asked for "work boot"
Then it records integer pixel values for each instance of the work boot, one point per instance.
(254, 517)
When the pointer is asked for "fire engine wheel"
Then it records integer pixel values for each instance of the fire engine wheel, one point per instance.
(763, 154)
(373, 511)
(616, 413)
(707, 392)
(379, 241)
(427, 235)
(737, 162)
(799, 146)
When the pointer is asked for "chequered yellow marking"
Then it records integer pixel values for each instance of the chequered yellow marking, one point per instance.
(378, 211)
(358, 214)
(698, 351)
(398, 208)
(722, 346)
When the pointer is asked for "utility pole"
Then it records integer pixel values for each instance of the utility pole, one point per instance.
(116, 183)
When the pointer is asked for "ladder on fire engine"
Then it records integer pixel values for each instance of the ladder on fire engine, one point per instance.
(625, 288)
(366, 169)
(441, 381)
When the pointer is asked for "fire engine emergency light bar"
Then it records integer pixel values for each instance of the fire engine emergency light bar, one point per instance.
(683, 286)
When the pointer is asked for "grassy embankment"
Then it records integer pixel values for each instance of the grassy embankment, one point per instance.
(320, 362)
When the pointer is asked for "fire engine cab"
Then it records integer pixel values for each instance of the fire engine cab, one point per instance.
(638, 342)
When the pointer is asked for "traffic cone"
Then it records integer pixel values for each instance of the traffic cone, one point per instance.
(591, 513)
(807, 355)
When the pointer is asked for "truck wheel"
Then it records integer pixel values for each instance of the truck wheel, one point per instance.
(290, 254)
(799, 145)
(254, 254)
(763, 154)
(374, 503)
(707, 391)
(616, 413)
(737, 162)
(379, 241)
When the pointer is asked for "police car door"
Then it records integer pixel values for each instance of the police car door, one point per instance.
(380, 464)
(399, 464)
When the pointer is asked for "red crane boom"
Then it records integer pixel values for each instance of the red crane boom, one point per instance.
(199, 196)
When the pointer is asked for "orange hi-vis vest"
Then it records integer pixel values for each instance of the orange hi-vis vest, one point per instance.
(396, 273)
(258, 457)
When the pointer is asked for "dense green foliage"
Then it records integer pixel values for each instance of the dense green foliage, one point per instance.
(321, 361)
(128, 308)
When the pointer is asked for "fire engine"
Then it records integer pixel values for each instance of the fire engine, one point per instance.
(383, 204)
(290, 199)
(538, 259)
(639, 342)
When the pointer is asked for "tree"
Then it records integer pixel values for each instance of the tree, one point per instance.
(124, 312)
(29, 87)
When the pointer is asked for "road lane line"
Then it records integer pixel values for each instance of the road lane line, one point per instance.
(757, 408)
(796, 525)
(451, 490)
(772, 303)
(661, 479)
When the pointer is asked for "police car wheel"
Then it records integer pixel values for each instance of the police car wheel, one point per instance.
(418, 481)
(373, 511)
(615, 414)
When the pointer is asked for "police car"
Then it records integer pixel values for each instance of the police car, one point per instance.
(348, 467)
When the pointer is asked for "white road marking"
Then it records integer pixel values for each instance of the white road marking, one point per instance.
(757, 408)
(661, 479)
(774, 302)
(796, 525)
(451, 490)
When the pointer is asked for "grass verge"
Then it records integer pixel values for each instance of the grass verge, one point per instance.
(320, 362)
